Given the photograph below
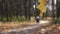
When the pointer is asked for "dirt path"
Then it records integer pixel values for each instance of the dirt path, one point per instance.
(28, 29)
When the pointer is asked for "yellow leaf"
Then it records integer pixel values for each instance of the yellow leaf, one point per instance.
(42, 7)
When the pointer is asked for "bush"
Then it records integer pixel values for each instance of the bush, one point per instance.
(14, 18)
(20, 18)
(4, 19)
(58, 21)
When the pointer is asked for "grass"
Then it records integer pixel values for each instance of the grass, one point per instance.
(14, 18)
(19, 18)
(57, 21)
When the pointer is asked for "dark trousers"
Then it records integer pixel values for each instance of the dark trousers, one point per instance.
(37, 20)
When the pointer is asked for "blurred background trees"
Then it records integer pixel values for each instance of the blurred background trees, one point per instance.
(18, 10)
(14, 9)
